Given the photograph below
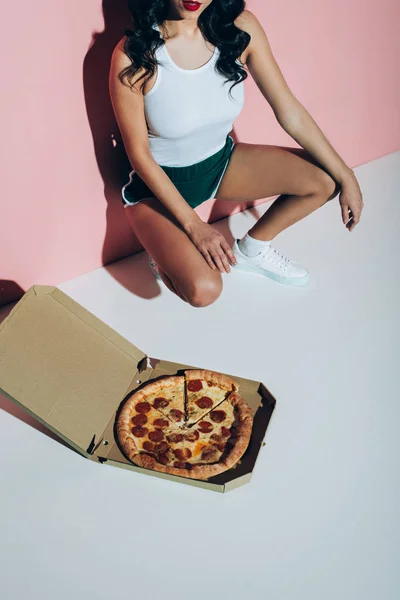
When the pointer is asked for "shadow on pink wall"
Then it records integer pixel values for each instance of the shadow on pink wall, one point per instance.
(10, 291)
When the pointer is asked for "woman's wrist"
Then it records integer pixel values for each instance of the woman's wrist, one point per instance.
(346, 176)
(190, 222)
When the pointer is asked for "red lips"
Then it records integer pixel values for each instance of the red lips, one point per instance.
(191, 5)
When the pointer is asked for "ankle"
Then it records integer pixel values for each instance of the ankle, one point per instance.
(250, 246)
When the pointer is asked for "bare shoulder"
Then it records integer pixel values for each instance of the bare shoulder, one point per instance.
(120, 61)
(248, 22)
(119, 56)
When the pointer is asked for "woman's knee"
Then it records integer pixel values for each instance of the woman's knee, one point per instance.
(203, 290)
(326, 187)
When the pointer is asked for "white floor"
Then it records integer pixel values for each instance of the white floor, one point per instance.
(320, 519)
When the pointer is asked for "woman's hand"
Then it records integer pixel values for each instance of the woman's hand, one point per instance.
(212, 245)
(351, 202)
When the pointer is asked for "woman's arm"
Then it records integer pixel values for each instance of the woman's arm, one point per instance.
(129, 112)
(289, 112)
(294, 118)
(128, 108)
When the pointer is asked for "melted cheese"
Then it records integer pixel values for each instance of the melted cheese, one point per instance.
(175, 394)
(205, 438)
(215, 393)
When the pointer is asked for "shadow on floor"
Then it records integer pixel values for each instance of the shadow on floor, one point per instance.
(19, 413)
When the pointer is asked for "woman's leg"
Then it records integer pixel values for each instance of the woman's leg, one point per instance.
(181, 266)
(258, 171)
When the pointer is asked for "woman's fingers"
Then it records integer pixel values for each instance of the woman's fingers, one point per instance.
(224, 259)
(217, 259)
(217, 253)
(228, 250)
(345, 213)
(219, 256)
(354, 218)
(221, 259)
(209, 260)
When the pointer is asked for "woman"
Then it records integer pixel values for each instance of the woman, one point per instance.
(176, 85)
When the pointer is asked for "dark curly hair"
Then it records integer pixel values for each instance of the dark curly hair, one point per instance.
(216, 24)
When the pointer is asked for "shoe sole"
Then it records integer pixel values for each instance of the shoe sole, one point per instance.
(299, 281)
(156, 275)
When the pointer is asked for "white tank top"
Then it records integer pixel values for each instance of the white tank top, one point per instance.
(189, 112)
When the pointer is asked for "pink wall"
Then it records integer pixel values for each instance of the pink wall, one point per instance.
(61, 213)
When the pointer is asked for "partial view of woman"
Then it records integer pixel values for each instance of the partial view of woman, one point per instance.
(176, 85)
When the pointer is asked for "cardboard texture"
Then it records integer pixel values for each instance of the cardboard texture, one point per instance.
(71, 372)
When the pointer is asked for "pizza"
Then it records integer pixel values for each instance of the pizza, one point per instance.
(168, 398)
(206, 389)
(196, 425)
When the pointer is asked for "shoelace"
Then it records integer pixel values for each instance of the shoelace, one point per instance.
(276, 257)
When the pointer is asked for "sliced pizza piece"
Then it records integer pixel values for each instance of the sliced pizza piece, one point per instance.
(207, 439)
(204, 391)
(168, 396)
(143, 423)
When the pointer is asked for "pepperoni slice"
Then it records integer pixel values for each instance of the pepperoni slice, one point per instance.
(182, 465)
(161, 423)
(139, 431)
(215, 437)
(161, 448)
(182, 453)
(195, 385)
(225, 432)
(205, 427)
(192, 436)
(175, 438)
(209, 453)
(156, 436)
(160, 403)
(163, 459)
(221, 447)
(218, 416)
(175, 414)
(148, 446)
(142, 407)
(204, 402)
(139, 419)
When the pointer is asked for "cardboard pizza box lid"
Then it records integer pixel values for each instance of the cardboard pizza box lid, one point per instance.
(65, 366)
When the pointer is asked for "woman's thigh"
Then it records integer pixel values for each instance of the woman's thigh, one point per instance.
(163, 238)
(258, 171)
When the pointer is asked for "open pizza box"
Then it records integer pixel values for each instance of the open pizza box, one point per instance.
(71, 371)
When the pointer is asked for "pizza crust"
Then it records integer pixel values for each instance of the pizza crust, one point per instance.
(216, 378)
(244, 430)
(165, 385)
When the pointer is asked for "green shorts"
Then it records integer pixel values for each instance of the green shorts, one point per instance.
(197, 183)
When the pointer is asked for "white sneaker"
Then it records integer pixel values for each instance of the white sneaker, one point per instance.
(154, 268)
(271, 263)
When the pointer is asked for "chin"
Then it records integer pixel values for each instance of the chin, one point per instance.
(188, 17)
